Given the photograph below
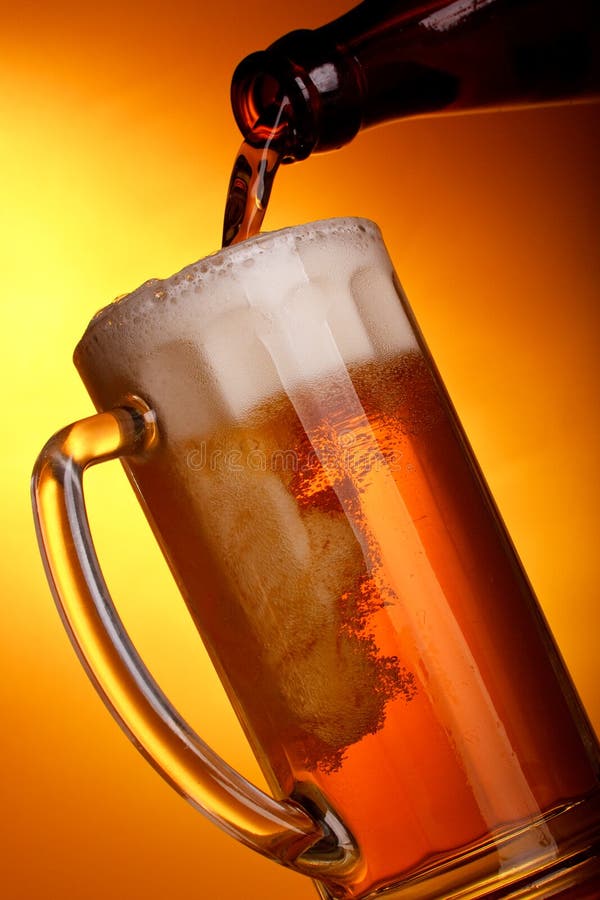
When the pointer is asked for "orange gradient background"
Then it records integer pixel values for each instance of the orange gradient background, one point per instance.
(117, 141)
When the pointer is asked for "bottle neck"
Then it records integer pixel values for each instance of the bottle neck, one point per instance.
(342, 77)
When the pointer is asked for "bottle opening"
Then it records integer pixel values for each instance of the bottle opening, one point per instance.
(318, 82)
(262, 84)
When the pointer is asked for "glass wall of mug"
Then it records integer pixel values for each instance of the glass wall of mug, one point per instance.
(346, 567)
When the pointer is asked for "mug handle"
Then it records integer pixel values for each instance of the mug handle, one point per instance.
(279, 829)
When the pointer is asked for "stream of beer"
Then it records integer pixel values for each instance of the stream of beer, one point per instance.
(252, 176)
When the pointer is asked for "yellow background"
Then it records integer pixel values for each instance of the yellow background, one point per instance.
(116, 142)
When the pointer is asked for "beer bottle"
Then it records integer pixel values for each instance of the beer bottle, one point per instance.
(391, 59)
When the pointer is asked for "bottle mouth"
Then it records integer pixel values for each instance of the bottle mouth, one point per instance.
(264, 82)
(315, 81)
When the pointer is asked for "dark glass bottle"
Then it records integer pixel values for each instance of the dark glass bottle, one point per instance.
(388, 59)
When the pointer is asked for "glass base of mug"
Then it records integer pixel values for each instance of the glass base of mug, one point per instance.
(572, 872)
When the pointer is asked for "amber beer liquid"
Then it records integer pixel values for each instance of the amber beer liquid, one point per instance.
(344, 563)
(377, 660)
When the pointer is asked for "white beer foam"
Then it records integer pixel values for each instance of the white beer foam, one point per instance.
(232, 330)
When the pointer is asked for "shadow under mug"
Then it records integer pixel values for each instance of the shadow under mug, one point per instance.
(285, 429)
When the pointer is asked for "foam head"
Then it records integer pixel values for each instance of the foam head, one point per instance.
(280, 310)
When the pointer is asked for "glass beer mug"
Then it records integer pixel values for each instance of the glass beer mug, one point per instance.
(287, 434)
